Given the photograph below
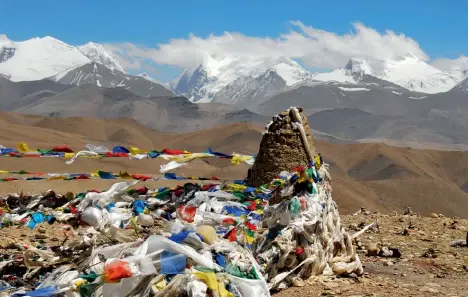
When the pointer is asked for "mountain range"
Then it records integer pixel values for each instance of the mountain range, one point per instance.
(242, 81)
(405, 99)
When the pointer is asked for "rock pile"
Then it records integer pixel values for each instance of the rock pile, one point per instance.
(282, 148)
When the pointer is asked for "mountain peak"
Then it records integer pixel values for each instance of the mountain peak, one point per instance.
(358, 65)
(216, 72)
(38, 58)
(49, 38)
(4, 39)
(96, 52)
(149, 78)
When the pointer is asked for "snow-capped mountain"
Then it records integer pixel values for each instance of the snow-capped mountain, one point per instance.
(239, 80)
(96, 52)
(409, 72)
(102, 76)
(228, 79)
(47, 57)
(249, 90)
(148, 77)
(37, 58)
(203, 83)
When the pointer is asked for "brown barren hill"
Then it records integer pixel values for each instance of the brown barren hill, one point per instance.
(375, 176)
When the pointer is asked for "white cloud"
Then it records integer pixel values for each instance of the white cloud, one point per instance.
(450, 65)
(315, 48)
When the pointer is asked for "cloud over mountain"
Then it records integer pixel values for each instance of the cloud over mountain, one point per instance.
(314, 47)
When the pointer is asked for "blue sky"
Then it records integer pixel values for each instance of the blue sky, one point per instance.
(439, 27)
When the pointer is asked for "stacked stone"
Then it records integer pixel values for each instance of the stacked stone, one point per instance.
(281, 148)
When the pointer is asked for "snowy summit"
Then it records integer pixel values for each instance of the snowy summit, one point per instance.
(37, 58)
(216, 73)
(226, 79)
(97, 53)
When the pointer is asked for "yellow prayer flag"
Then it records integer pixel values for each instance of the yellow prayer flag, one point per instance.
(238, 159)
(23, 147)
(124, 175)
(189, 157)
(135, 150)
(249, 239)
(95, 174)
(317, 161)
(210, 279)
(69, 155)
(236, 187)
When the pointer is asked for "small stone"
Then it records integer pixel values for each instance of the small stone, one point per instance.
(367, 212)
(54, 239)
(15, 246)
(388, 263)
(434, 215)
(403, 274)
(331, 286)
(353, 227)
(41, 230)
(372, 250)
(40, 236)
(429, 290)
(298, 282)
(401, 220)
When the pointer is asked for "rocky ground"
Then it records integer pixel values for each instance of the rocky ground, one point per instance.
(428, 265)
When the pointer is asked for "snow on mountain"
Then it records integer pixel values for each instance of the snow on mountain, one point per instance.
(248, 90)
(147, 77)
(223, 79)
(409, 72)
(215, 73)
(37, 58)
(336, 75)
(461, 87)
(358, 65)
(97, 53)
(416, 75)
(102, 76)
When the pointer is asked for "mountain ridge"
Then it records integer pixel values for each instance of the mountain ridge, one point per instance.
(216, 77)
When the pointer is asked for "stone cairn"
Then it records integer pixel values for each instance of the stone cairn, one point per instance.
(308, 239)
(281, 148)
